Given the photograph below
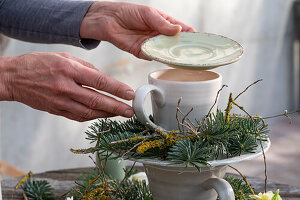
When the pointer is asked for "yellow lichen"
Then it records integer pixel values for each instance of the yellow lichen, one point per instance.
(133, 139)
(229, 107)
(170, 140)
(27, 176)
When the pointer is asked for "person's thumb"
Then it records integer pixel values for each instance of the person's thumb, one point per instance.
(163, 26)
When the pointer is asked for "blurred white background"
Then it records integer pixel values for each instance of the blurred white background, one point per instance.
(38, 141)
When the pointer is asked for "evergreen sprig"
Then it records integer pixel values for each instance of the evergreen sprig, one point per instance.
(37, 190)
(240, 189)
(191, 153)
(215, 138)
(97, 129)
(126, 189)
(239, 144)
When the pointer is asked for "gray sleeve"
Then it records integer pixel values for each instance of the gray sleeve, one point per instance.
(45, 21)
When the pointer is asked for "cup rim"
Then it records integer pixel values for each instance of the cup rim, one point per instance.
(150, 77)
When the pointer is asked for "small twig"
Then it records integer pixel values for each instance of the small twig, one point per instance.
(228, 108)
(90, 183)
(216, 100)
(189, 123)
(84, 151)
(144, 131)
(101, 171)
(286, 114)
(77, 183)
(25, 196)
(243, 195)
(247, 88)
(102, 132)
(185, 123)
(77, 190)
(177, 111)
(244, 178)
(127, 174)
(260, 141)
(188, 126)
(283, 114)
(185, 118)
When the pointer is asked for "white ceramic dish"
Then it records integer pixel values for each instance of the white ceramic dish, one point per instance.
(214, 163)
(193, 50)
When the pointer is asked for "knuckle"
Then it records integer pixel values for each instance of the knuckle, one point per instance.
(148, 9)
(64, 54)
(96, 101)
(61, 87)
(116, 109)
(64, 67)
(63, 64)
(118, 91)
(102, 81)
(57, 103)
(89, 114)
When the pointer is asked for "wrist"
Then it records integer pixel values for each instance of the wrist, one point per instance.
(94, 24)
(6, 69)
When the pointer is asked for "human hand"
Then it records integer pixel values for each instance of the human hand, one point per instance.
(56, 83)
(128, 25)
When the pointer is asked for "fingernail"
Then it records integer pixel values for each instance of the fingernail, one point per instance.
(129, 94)
(128, 113)
(176, 26)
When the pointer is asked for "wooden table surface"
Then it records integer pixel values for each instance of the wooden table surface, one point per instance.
(63, 180)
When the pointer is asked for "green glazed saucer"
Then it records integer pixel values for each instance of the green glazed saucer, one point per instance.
(193, 50)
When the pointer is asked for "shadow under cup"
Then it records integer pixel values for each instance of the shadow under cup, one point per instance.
(196, 89)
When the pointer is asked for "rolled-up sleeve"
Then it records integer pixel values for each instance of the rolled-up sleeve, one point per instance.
(45, 21)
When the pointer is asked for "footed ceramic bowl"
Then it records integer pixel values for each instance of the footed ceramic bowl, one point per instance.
(177, 182)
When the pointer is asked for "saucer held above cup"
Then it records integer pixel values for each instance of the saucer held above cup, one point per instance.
(193, 50)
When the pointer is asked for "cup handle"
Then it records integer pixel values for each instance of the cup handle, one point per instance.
(138, 103)
(222, 187)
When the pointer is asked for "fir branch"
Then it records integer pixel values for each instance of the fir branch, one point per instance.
(260, 141)
(98, 129)
(239, 144)
(244, 178)
(240, 189)
(37, 190)
(112, 189)
(190, 154)
(214, 133)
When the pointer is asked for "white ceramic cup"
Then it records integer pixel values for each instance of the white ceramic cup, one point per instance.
(198, 90)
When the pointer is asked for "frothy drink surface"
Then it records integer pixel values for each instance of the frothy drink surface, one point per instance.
(184, 75)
